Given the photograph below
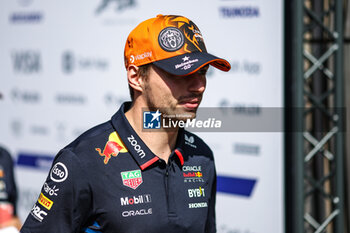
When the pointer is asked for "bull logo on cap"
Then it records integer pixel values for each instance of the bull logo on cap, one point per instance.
(171, 39)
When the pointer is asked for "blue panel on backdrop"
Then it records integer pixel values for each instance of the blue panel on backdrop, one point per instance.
(36, 161)
(235, 185)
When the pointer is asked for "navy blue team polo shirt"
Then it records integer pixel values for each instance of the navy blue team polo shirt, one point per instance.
(8, 190)
(108, 180)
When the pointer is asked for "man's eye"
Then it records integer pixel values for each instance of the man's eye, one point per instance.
(202, 71)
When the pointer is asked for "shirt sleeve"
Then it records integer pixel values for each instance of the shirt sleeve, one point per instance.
(64, 203)
(11, 190)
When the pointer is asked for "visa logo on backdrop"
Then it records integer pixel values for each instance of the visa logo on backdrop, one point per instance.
(26, 61)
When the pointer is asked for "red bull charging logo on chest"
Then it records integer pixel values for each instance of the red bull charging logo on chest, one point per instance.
(113, 147)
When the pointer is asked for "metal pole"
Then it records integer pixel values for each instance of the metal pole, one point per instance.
(339, 104)
(318, 85)
(298, 118)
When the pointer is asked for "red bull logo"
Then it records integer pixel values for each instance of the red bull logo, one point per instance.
(192, 174)
(113, 147)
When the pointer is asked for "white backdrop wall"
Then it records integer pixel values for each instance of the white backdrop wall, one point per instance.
(62, 72)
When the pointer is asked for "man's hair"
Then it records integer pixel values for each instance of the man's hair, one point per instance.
(143, 71)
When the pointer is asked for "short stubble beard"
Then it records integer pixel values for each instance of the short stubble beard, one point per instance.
(169, 109)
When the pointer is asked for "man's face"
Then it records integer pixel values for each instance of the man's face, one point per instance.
(177, 96)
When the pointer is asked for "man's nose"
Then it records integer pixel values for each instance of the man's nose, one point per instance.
(197, 83)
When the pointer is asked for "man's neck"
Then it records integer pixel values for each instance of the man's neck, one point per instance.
(161, 141)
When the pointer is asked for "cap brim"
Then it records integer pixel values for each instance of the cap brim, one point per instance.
(189, 63)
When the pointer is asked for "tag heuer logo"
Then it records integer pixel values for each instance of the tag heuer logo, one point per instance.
(132, 179)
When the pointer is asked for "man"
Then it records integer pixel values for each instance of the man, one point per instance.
(8, 194)
(121, 176)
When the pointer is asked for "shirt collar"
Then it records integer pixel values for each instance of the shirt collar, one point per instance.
(136, 147)
(180, 143)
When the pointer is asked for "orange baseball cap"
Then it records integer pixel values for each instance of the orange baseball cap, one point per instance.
(172, 43)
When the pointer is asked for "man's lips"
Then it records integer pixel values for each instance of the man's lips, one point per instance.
(190, 103)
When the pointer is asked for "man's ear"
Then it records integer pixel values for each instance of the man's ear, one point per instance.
(134, 80)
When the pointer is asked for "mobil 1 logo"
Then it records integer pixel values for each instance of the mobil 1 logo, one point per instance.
(134, 200)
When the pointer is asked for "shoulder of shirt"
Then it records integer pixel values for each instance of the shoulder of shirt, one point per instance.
(201, 146)
(5, 155)
(90, 136)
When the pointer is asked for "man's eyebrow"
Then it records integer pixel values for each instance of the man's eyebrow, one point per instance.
(204, 68)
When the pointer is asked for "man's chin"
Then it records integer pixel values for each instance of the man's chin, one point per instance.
(179, 113)
(186, 115)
